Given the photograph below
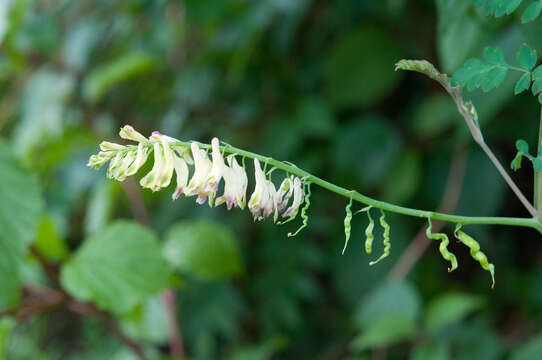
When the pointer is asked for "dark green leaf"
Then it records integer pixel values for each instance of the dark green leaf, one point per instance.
(105, 77)
(431, 352)
(498, 7)
(531, 12)
(516, 163)
(6, 324)
(363, 56)
(20, 207)
(522, 146)
(528, 351)
(388, 314)
(523, 83)
(526, 57)
(385, 331)
(448, 309)
(494, 56)
(204, 249)
(118, 268)
(494, 78)
(537, 80)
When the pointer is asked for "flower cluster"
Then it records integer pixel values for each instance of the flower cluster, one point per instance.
(173, 156)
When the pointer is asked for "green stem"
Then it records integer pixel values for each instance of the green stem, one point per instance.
(538, 176)
(356, 196)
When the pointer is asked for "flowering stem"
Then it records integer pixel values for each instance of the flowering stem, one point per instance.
(356, 196)
(538, 176)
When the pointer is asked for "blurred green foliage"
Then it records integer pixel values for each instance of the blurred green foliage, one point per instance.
(308, 81)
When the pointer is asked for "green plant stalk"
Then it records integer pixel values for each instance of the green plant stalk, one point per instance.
(538, 176)
(356, 196)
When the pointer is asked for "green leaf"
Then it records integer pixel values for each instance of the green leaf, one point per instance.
(148, 321)
(526, 57)
(402, 182)
(42, 110)
(49, 242)
(494, 56)
(439, 351)
(263, 351)
(522, 146)
(434, 115)
(516, 163)
(118, 268)
(476, 73)
(448, 309)
(530, 350)
(6, 324)
(360, 57)
(460, 32)
(392, 298)
(494, 78)
(366, 143)
(20, 208)
(523, 83)
(498, 7)
(99, 206)
(532, 12)
(205, 249)
(385, 331)
(387, 315)
(537, 80)
(108, 75)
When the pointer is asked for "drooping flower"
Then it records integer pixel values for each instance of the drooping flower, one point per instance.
(109, 146)
(118, 170)
(235, 185)
(298, 197)
(284, 193)
(182, 172)
(262, 200)
(202, 167)
(98, 160)
(129, 133)
(162, 171)
(140, 159)
(217, 171)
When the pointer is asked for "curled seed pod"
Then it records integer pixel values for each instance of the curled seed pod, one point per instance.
(369, 237)
(347, 226)
(303, 211)
(443, 247)
(386, 238)
(475, 252)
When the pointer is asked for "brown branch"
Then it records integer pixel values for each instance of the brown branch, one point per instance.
(108, 322)
(40, 300)
(133, 193)
(449, 201)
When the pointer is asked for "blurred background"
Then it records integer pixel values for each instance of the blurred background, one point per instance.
(308, 81)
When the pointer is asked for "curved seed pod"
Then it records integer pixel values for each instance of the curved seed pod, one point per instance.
(369, 237)
(443, 247)
(303, 211)
(386, 238)
(475, 252)
(347, 226)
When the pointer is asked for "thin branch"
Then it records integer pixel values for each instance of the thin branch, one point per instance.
(452, 192)
(133, 193)
(109, 323)
(175, 336)
(467, 110)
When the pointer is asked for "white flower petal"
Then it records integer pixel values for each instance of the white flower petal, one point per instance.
(181, 169)
(129, 133)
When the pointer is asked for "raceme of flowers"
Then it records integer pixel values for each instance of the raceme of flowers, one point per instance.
(172, 156)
